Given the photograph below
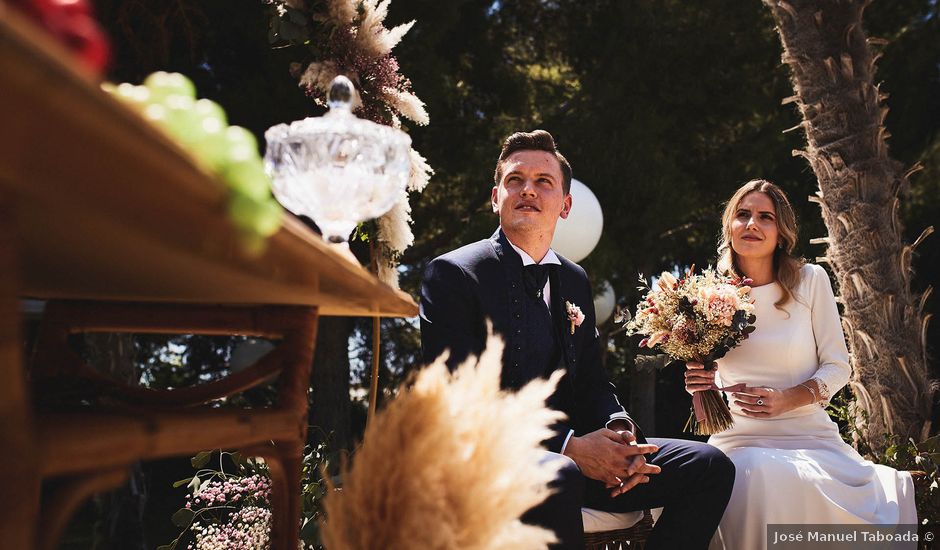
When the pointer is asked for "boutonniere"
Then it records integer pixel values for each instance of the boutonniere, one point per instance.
(575, 315)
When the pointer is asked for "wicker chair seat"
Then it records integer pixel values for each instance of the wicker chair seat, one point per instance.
(598, 520)
(611, 531)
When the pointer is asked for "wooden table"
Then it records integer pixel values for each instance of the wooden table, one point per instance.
(111, 222)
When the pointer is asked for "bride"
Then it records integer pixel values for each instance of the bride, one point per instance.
(792, 467)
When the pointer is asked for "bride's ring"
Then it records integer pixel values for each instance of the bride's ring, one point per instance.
(760, 402)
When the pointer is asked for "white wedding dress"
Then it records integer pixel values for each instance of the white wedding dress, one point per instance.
(795, 468)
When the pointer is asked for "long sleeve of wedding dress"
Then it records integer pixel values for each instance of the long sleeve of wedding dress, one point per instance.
(831, 351)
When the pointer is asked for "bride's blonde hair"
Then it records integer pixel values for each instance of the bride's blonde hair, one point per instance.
(786, 265)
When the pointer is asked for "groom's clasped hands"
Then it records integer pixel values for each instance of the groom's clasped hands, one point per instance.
(614, 458)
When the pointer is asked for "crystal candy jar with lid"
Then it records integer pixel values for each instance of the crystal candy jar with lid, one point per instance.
(337, 169)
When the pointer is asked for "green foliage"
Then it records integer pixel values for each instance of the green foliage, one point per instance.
(201, 459)
(921, 459)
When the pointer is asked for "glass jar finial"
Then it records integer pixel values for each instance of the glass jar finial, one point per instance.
(342, 93)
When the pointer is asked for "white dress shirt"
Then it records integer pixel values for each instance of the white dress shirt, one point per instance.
(550, 258)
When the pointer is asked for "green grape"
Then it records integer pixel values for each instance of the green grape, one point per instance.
(247, 177)
(157, 114)
(163, 85)
(182, 120)
(242, 211)
(238, 135)
(259, 217)
(242, 145)
(206, 108)
(135, 96)
(269, 219)
(252, 245)
(212, 148)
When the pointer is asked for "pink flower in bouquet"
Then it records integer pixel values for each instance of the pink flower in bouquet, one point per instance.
(720, 303)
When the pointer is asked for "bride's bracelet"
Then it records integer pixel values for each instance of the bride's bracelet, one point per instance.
(811, 391)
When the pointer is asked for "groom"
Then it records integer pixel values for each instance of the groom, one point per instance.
(530, 294)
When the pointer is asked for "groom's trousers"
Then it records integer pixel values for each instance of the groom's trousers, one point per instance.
(693, 489)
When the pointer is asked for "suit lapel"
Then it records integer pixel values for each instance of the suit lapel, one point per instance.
(560, 318)
(510, 261)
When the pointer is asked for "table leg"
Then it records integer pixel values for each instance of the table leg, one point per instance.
(288, 455)
(19, 477)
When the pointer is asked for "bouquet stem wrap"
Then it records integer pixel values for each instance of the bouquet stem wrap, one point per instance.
(710, 413)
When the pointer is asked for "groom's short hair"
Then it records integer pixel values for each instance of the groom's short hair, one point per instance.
(538, 140)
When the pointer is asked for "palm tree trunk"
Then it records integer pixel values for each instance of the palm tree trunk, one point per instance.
(859, 188)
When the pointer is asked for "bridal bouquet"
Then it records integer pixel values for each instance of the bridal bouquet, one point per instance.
(696, 318)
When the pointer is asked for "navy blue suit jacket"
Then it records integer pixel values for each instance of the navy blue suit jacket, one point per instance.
(483, 280)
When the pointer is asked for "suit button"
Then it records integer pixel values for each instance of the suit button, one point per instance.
(514, 285)
(518, 331)
(515, 300)
(515, 365)
(518, 348)
(518, 316)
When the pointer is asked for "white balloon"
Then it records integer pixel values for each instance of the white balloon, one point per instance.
(604, 303)
(576, 236)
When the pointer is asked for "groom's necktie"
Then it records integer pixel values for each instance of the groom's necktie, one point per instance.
(534, 278)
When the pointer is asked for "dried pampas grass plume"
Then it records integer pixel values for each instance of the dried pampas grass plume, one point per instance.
(343, 11)
(421, 172)
(449, 465)
(372, 36)
(394, 236)
(408, 105)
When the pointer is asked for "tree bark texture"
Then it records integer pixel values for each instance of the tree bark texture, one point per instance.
(860, 186)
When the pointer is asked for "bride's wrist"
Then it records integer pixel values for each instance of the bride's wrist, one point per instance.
(797, 397)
